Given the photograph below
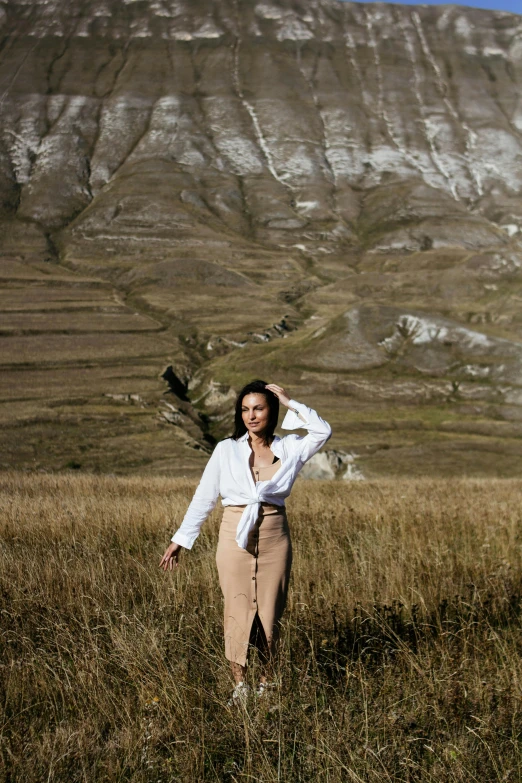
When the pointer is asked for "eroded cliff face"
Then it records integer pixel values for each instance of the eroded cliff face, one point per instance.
(325, 192)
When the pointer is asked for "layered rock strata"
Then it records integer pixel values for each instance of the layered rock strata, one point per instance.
(328, 193)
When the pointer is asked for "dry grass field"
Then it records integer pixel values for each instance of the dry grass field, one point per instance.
(400, 656)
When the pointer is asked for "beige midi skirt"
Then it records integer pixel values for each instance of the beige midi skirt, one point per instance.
(253, 580)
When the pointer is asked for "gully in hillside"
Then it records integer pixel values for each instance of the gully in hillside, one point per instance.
(253, 471)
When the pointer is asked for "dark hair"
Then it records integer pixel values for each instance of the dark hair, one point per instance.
(257, 387)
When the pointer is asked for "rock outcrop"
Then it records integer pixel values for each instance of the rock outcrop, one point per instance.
(330, 464)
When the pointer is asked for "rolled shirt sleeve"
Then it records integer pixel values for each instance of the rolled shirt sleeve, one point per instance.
(202, 503)
(301, 416)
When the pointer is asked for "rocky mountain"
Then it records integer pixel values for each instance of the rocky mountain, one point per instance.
(326, 194)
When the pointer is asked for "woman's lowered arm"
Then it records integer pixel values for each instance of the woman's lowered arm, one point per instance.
(202, 503)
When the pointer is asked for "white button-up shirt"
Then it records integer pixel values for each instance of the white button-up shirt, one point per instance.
(228, 474)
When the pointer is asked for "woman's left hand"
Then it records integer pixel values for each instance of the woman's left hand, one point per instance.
(279, 392)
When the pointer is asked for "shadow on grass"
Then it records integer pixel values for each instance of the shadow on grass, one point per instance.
(384, 630)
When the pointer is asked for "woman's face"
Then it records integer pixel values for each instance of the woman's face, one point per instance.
(255, 412)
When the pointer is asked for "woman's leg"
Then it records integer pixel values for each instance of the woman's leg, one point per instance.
(274, 565)
(259, 641)
(238, 672)
(235, 578)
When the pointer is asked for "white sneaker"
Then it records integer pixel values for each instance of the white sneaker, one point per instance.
(239, 694)
(263, 687)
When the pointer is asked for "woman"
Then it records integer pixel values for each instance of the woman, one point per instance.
(253, 471)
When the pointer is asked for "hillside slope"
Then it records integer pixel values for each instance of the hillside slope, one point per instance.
(326, 194)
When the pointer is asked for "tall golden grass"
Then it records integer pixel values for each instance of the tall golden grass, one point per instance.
(399, 658)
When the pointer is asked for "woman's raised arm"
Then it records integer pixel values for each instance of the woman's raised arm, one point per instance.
(301, 416)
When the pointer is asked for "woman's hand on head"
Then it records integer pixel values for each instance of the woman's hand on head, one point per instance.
(169, 561)
(279, 392)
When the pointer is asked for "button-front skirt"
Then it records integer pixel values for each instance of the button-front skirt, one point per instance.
(255, 579)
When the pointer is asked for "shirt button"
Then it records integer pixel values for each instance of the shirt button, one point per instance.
(254, 601)
(253, 578)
